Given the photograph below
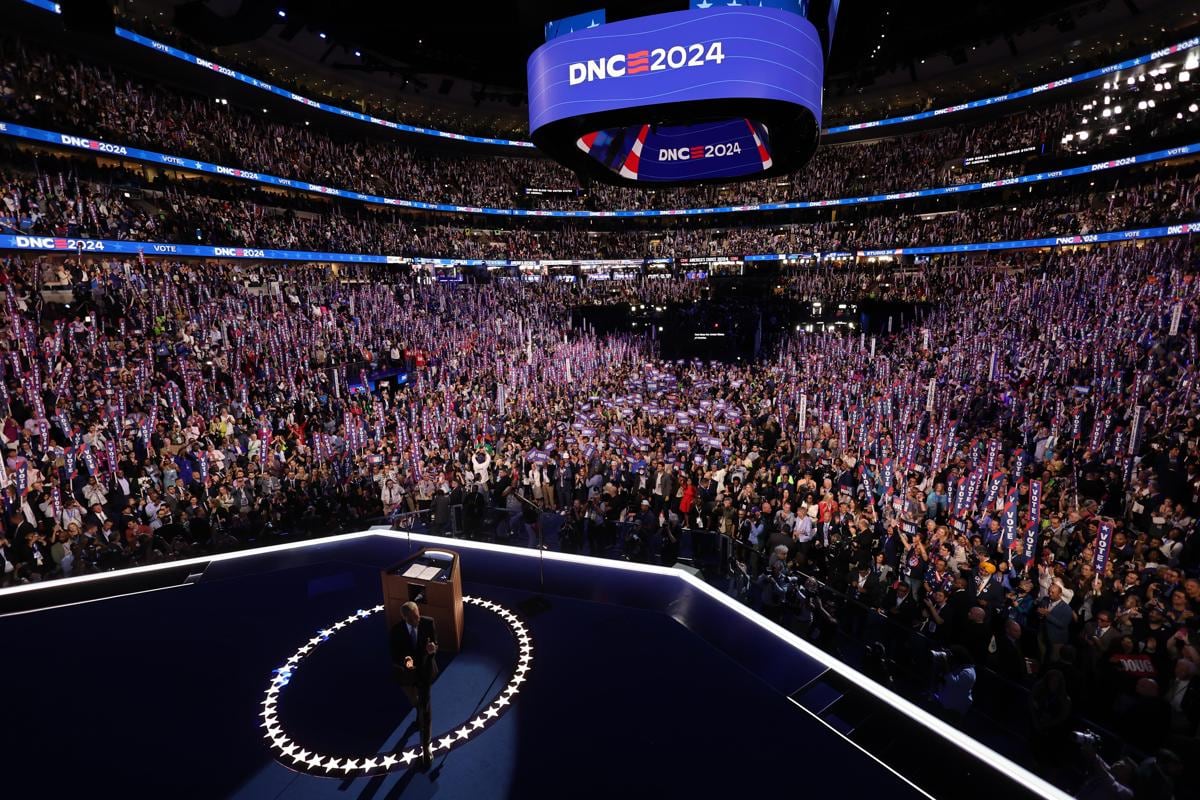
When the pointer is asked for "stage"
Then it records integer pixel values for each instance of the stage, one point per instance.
(633, 682)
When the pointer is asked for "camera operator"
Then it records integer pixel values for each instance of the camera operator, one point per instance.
(1104, 781)
(953, 680)
(774, 585)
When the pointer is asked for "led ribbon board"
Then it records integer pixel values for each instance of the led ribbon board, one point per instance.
(678, 98)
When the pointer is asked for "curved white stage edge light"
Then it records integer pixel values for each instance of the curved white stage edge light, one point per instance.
(969, 746)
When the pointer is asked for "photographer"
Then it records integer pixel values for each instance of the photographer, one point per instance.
(774, 585)
(1104, 781)
(953, 680)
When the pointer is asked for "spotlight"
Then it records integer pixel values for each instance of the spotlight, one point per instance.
(1193, 108)
(321, 35)
(357, 54)
(1185, 76)
(281, 13)
(1083, 135)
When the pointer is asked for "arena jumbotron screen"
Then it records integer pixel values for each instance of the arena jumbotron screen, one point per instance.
(720, 92)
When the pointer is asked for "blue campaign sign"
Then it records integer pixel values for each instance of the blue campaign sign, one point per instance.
(579, 22)
(679, 57)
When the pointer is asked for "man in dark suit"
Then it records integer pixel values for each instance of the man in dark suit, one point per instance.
(900, 609)
(414, 645)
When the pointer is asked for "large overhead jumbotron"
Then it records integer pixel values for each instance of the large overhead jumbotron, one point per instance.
(712, 94)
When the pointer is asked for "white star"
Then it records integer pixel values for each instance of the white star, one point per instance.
(501, 701)
(290, 749)
(491, 712)
(388, 760)
(518, 680)
(477, 723)
(313, 642)
(301, 756)
(330, 763)
(444, 744)
(463, 732)
(339, 626)
(350, 764)
(377, 608)
(408, 757)
(314, 760)
(370, 763)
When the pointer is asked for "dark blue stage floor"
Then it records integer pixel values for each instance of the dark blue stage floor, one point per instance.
(158, 694)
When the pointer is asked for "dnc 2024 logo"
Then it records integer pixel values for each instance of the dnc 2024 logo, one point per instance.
(645, 61)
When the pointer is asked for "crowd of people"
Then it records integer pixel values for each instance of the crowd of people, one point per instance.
(184, 408)
(60, 204)
(50, 89)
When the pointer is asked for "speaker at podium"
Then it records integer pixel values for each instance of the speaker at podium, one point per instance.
(432, 579)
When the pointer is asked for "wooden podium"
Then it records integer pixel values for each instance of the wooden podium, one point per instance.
(432, 579)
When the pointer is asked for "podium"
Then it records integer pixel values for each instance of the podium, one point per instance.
(432, 579)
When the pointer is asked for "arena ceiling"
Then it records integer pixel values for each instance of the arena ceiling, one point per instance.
(489, 40)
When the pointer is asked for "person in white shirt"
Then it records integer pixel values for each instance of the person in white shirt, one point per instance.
(481, 464)
(392, 495)
(71, 513)
(94, 493)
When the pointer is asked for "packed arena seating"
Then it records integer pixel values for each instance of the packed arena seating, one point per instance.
(156, 409)
(184, 408)
(49, 89)
(61, 205)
